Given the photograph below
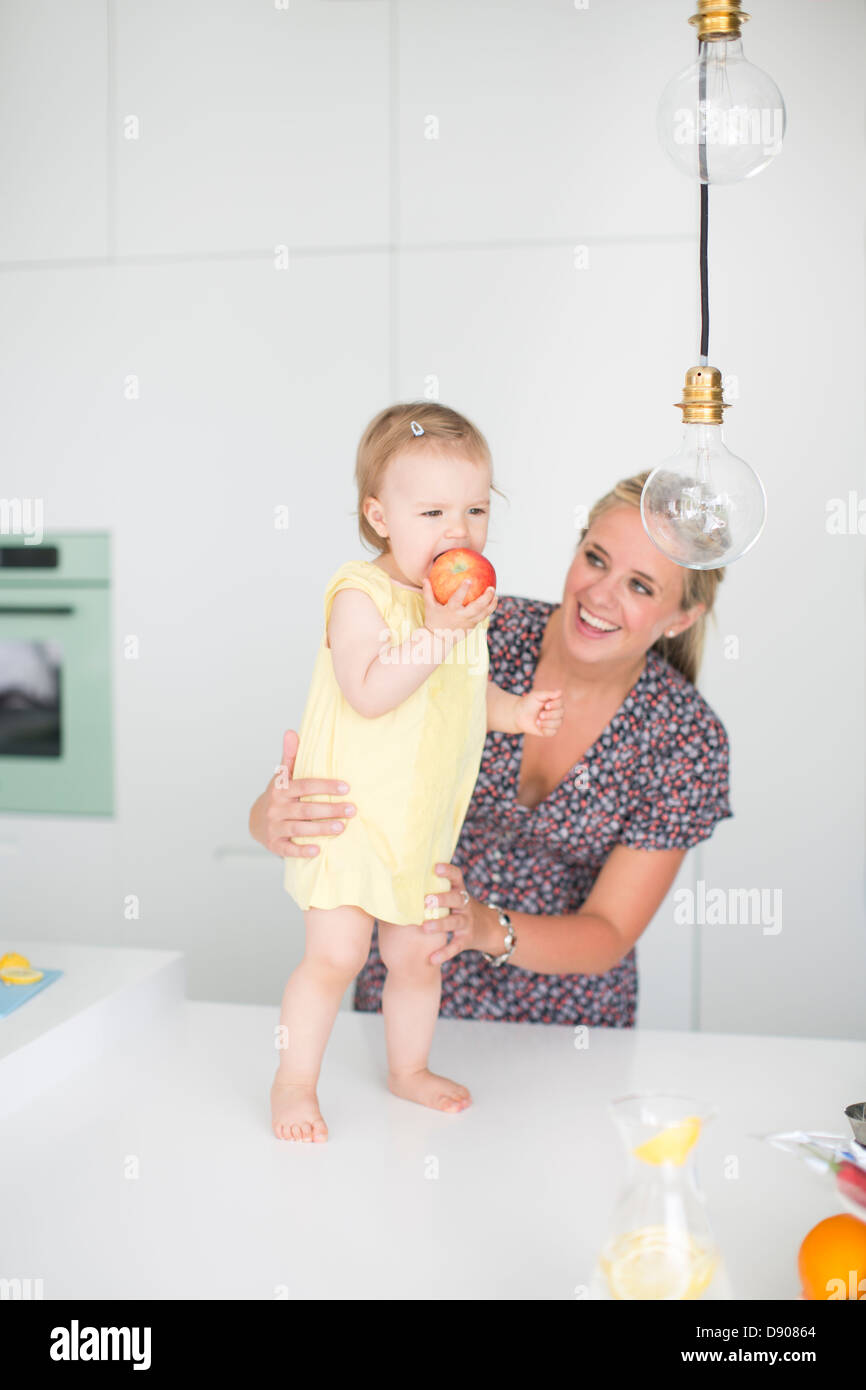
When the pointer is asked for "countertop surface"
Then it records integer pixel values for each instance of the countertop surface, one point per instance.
(90, 974)
(154, 1173)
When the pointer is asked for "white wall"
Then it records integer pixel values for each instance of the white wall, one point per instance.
(412, 258)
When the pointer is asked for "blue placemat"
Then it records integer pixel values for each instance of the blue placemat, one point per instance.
(13, 996)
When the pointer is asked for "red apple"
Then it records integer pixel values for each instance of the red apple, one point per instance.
(449, 570)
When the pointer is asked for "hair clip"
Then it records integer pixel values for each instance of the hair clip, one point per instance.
(416, 428)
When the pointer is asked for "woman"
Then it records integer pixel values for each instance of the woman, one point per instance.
(577, 837)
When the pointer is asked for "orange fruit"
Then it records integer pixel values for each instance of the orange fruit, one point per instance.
(832, 1259)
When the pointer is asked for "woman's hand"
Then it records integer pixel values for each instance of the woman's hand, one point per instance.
(279, 813)
(540, 712)
(474, 925)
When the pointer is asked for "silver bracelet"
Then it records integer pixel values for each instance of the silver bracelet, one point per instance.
(510, 937)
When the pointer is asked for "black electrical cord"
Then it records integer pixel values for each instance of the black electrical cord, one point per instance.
(702, 156)
(705, 285)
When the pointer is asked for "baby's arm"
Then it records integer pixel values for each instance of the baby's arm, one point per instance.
(501, 710)
(539, 712)
(376, 676)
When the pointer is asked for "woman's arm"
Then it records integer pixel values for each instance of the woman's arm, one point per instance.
(623, 901)
(376, 678)
(621, 904)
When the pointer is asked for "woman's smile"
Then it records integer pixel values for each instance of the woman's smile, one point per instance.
(591, 624)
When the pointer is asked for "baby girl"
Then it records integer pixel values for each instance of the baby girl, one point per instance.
(399, 707)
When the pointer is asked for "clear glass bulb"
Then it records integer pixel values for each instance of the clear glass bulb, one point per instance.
(703, 507)
(730, 131)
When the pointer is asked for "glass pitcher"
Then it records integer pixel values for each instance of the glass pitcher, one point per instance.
(659, 1243)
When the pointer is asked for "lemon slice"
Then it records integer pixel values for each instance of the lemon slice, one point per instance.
(19, 974)
(655, 1263)
(12, 958)
(671, 1144)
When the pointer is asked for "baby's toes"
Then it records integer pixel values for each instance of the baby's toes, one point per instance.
(450, 1100)
(320, 1131)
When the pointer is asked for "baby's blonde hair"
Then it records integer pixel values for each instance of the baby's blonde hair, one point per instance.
(390, 432)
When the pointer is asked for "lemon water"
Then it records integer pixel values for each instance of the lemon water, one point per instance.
(657, 1262)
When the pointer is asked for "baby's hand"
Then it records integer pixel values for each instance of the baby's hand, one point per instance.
(454, 616)
(540, 712)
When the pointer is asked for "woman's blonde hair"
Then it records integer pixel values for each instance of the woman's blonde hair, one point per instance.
(683, 652)
(390, 433)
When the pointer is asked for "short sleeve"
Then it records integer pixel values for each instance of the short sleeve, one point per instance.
(366, 577)
(687, 792)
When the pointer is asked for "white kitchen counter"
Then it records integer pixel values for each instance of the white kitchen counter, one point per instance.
(104, 994)
(527, 1176)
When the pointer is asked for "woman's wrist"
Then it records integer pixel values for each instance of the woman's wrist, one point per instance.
(576, 943)
(493, 932)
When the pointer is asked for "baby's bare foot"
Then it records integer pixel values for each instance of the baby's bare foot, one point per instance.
(425, 1087)
(295, 1112)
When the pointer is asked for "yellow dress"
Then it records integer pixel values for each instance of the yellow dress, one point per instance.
(411, 771)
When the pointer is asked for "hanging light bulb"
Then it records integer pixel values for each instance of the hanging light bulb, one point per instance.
(703, 507)
(721, 119)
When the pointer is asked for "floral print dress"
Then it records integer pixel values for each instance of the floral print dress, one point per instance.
(655, 778)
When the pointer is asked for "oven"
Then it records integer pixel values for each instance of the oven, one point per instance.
(56, 743)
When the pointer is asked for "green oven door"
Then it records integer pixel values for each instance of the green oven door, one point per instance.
(56, 746)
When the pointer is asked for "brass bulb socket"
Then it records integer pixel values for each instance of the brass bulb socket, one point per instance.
(719, 19)
(702, 402)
